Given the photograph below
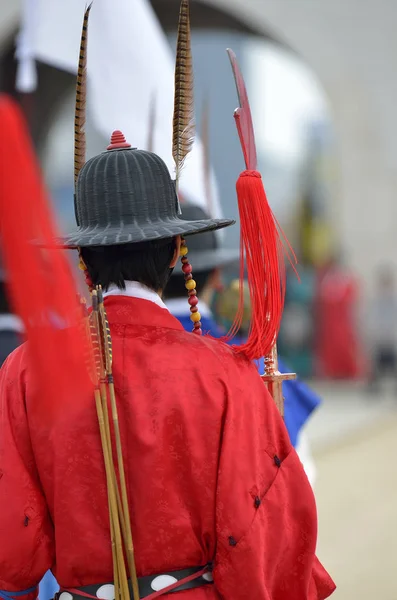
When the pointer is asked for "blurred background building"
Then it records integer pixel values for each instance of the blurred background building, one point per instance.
(323, 89)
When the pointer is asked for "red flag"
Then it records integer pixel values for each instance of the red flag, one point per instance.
(42, 289)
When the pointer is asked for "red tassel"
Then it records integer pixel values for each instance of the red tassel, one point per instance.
(261, 241)
(42, 288)
(263, 254)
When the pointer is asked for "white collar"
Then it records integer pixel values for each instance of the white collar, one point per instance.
(134, 289)
(180, 307)
(11, 323)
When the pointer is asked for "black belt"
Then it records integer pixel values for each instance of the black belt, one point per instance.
(147, 585)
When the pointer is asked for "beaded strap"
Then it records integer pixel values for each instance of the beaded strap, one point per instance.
(190, 285)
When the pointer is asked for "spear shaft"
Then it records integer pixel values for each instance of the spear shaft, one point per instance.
(273, 379)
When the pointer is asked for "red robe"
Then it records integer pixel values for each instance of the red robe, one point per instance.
(337, 345)
(210, 471)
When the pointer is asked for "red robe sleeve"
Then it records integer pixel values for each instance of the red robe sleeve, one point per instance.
(266, 521)
(26, 531)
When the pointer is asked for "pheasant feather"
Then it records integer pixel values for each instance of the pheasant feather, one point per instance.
(183, 121)
(80, 108)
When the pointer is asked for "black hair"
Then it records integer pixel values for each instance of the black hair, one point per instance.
(176, 285)
(146, 262)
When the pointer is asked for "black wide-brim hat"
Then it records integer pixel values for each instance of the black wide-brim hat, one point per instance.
(205, 253)
(124, 196)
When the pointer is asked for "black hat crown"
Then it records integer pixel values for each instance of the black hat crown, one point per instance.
(125, 195)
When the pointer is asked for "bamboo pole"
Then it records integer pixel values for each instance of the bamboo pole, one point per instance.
(95, 368)
(107, 343)
(112, 508)
(109, 440)
(119, 569)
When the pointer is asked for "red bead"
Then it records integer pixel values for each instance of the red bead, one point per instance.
(197, 325)
(193, 300)
(184, 260)
(193, 309)
(188, 277)
(198, 331)
(187, 268)
(193, 292)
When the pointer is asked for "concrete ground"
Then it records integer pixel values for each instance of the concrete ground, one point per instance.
(354, 441)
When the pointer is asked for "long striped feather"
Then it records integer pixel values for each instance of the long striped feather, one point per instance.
(183, 121)
(81, 93)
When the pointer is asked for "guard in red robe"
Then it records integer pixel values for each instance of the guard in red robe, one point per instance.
(212, 476)
(337, 343)
(217, 500)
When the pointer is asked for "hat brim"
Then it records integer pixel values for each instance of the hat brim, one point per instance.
(133, 234)
(207, 260)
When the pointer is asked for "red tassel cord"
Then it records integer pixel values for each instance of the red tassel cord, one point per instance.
(262, 256)
(42, 288)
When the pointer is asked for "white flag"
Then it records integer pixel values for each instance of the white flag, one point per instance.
(129, 63)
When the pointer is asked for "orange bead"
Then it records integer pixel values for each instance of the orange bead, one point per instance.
(183, 251)
(190, 284)
(195, 317)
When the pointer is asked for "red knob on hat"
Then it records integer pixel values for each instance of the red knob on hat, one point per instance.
(118, 141)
